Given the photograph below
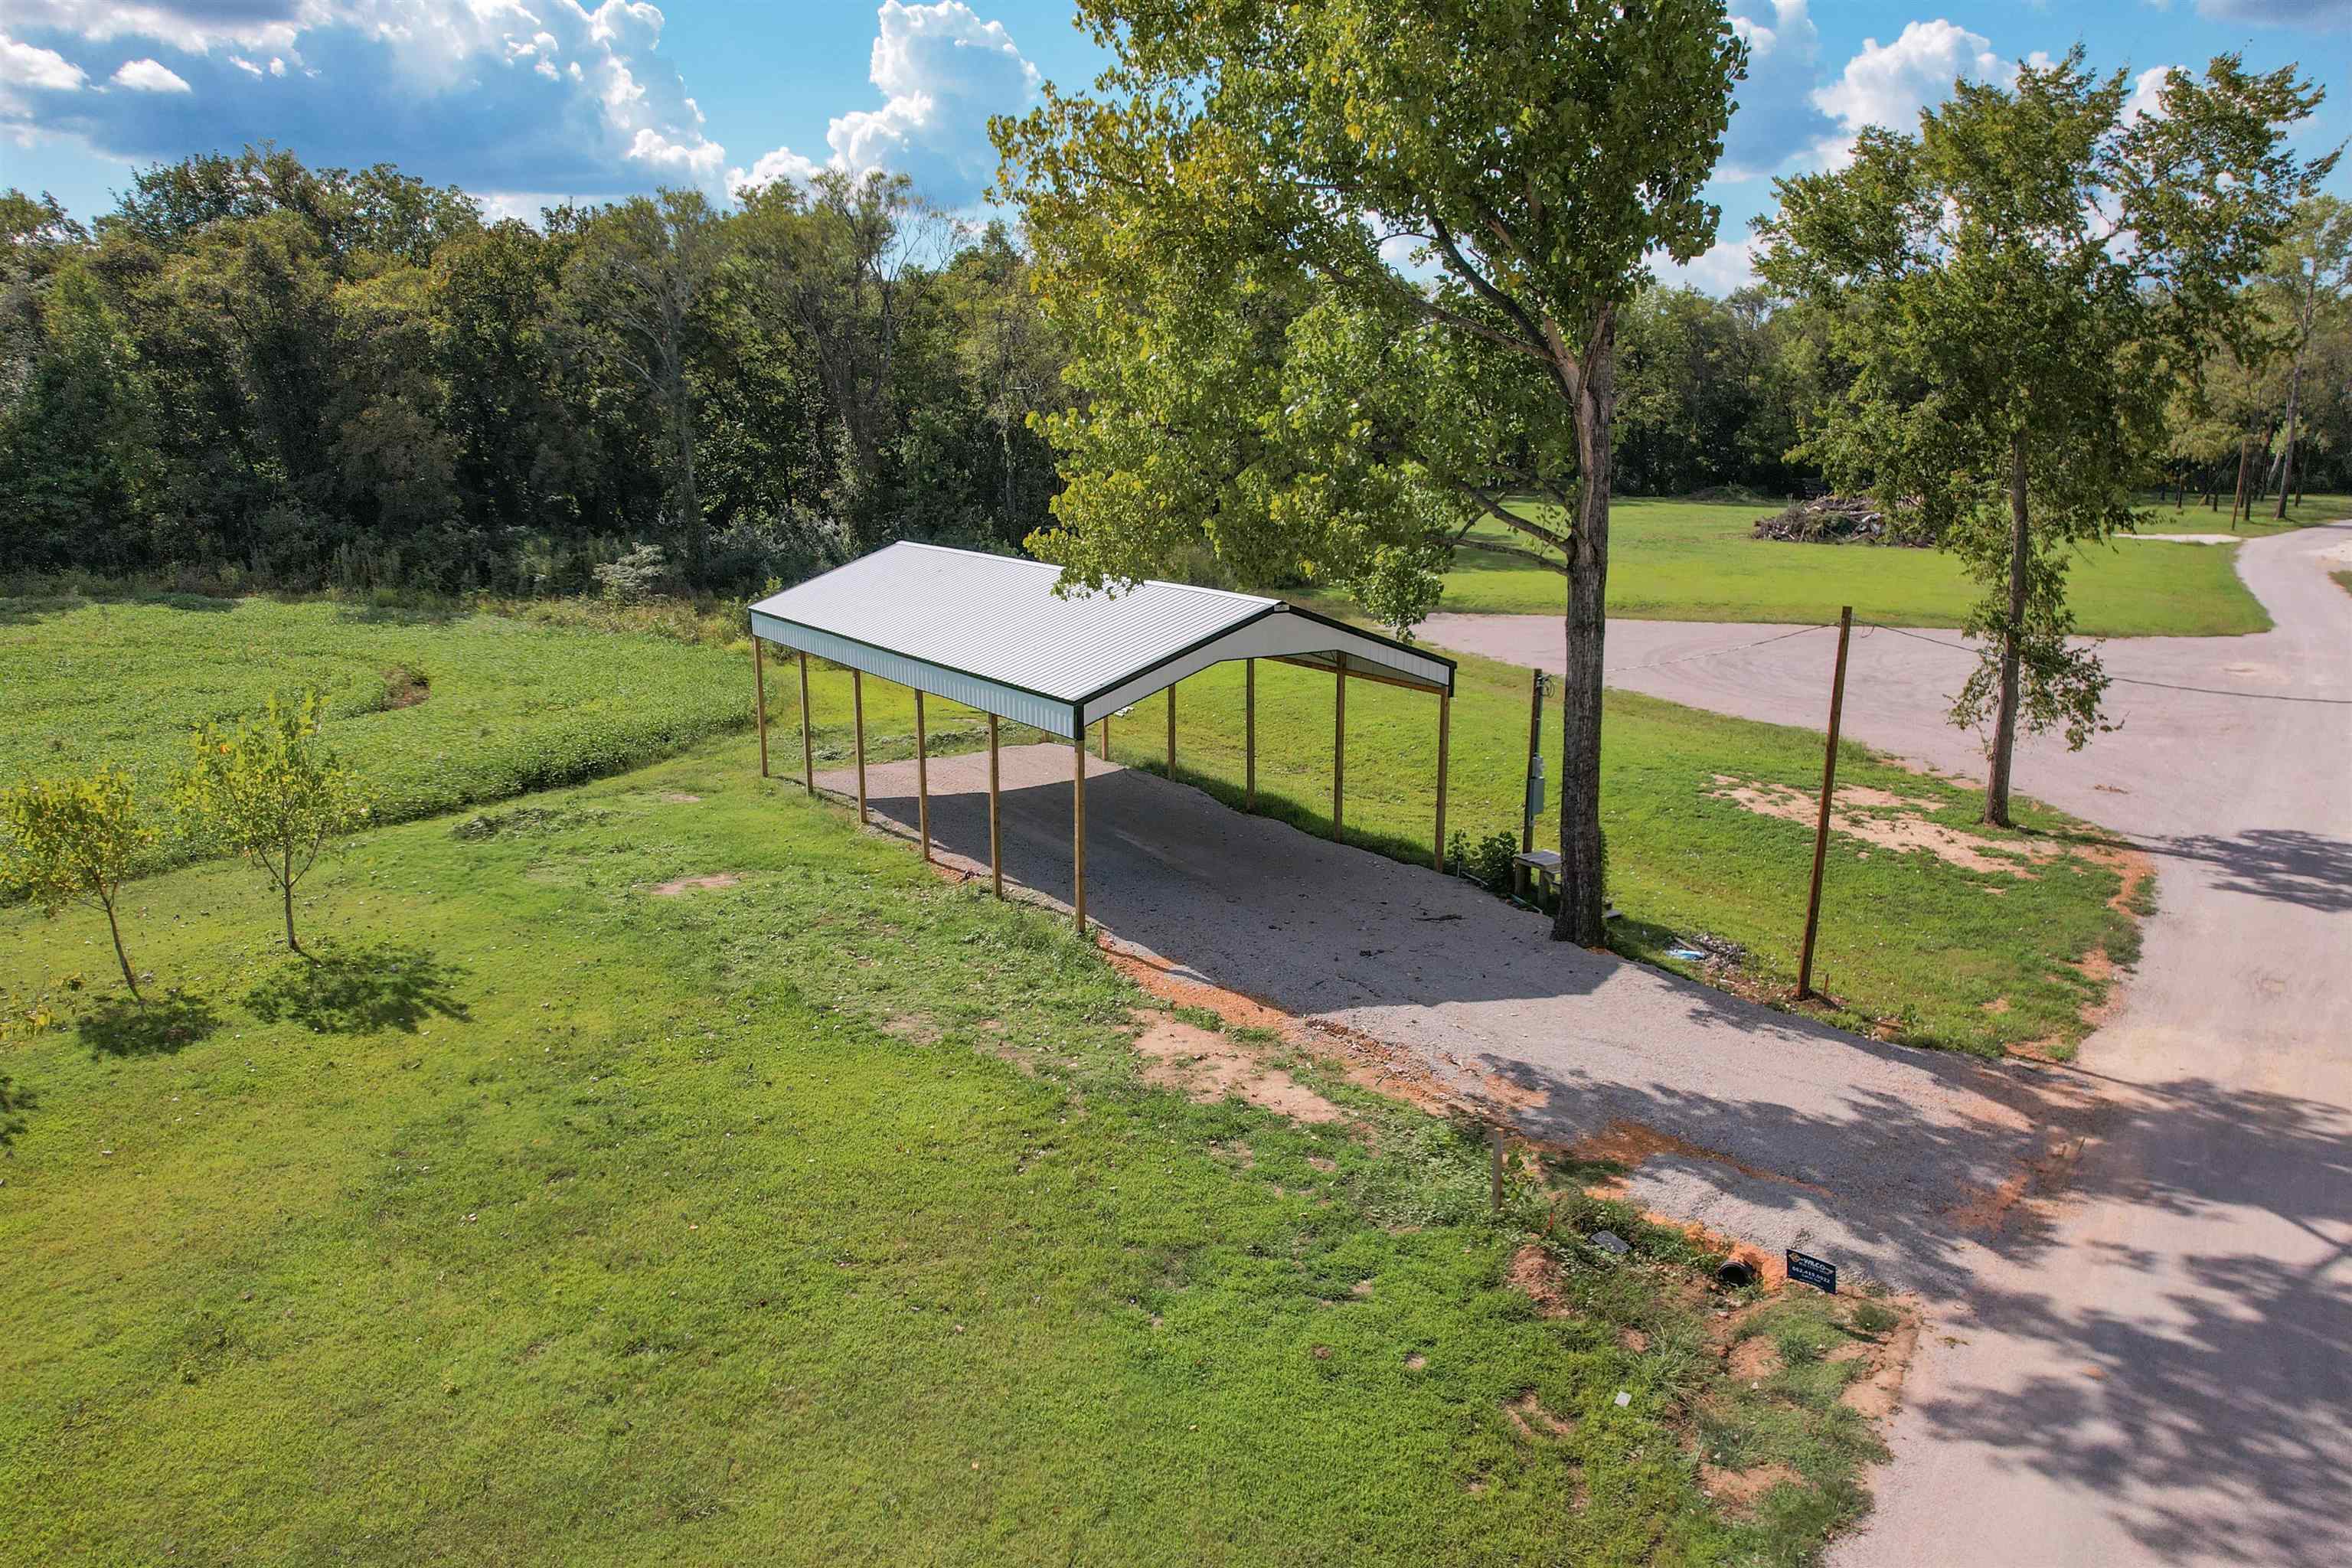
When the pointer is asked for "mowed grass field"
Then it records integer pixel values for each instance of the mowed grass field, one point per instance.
(1691, 560)
(822, 1218)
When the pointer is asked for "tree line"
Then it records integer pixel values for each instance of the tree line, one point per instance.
(263, 373)
(303, 377)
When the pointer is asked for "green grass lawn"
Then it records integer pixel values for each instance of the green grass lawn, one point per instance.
(2197, 517)
(819, 1218)
(1690, 561)
(507, 706)
(1911, 947)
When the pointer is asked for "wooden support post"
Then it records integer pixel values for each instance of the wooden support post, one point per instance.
(922, 776)
(857, 723)
(1078, 833)
(1822, 823)
(760, 696)
(1172, 729)
(808, 740)
(1249, 734)
(1535, 744)
(1103, 742)
(995, 835)
(1445, 713)
(1339, 741)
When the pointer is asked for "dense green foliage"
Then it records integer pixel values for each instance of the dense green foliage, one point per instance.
(2014, 290)
(275, 374)
(272, 791)
(821, 1219)
(73, 840)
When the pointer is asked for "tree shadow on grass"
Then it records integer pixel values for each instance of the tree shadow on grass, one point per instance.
(359, 989)
(119, 1026)
(14, 1100)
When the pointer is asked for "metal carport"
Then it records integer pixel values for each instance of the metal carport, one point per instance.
(990, 632)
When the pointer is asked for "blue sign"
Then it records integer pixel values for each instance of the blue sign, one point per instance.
(1807, 1269)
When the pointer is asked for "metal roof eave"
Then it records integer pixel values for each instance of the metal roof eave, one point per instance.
(1055, 715)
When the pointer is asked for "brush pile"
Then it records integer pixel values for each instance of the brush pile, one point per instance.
(1837, 520)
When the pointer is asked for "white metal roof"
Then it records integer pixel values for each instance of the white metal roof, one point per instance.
(989, 631)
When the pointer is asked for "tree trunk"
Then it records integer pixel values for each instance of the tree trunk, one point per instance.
(1581, 916)
(285, 890)
(2004, 732)
(689, 492)
(2286, 452)
(121, 957)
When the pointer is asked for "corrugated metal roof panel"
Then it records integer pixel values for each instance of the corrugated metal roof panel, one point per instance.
(996, 620)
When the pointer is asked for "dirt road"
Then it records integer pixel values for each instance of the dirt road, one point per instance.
(2166, 1376)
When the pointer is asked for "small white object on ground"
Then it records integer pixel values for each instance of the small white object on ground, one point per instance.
(1623, 1399)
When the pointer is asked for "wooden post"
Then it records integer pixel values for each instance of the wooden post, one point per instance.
(1444, 710)
(1535, 744)
(1102, 743)
(808, 742)
(759, 695)
(857, 723)
(1821, 824)
(1172, 729)
(1249, 734)
(922, 776)
(995, 836)
(1339, 741)
(1078, 833)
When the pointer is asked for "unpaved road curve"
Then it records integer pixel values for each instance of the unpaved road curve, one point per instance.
(2169, 1381)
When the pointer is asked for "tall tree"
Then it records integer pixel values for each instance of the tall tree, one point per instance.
(643, 270)
(2017, 288)
(2313, 267)
(1217, 238)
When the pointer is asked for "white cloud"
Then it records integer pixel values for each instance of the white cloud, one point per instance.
(432, 84)
(1775, 117)
(150, 76)
(25, 65)
(1723, 267)
(779, 164)
(2147, 93)
(942, 72)
(2275, 12)
(1889, 84)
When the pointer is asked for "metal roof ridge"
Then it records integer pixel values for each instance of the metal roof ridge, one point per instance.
(1259, 600)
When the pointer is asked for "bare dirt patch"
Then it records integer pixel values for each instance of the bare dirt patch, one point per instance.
(1902, 831)
(1211, 1067)
(915, 1028)
(679, 797)
(1741, 1490)
(1753, 1358)
(1628, 1143)
(1984, 1211)
(1536, 1275)
(1529, 1418)
(678, 885)
(1875, 1393)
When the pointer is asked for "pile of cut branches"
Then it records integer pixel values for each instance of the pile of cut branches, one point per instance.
(1838, 519)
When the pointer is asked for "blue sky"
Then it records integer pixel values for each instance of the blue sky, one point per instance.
(524, 102)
